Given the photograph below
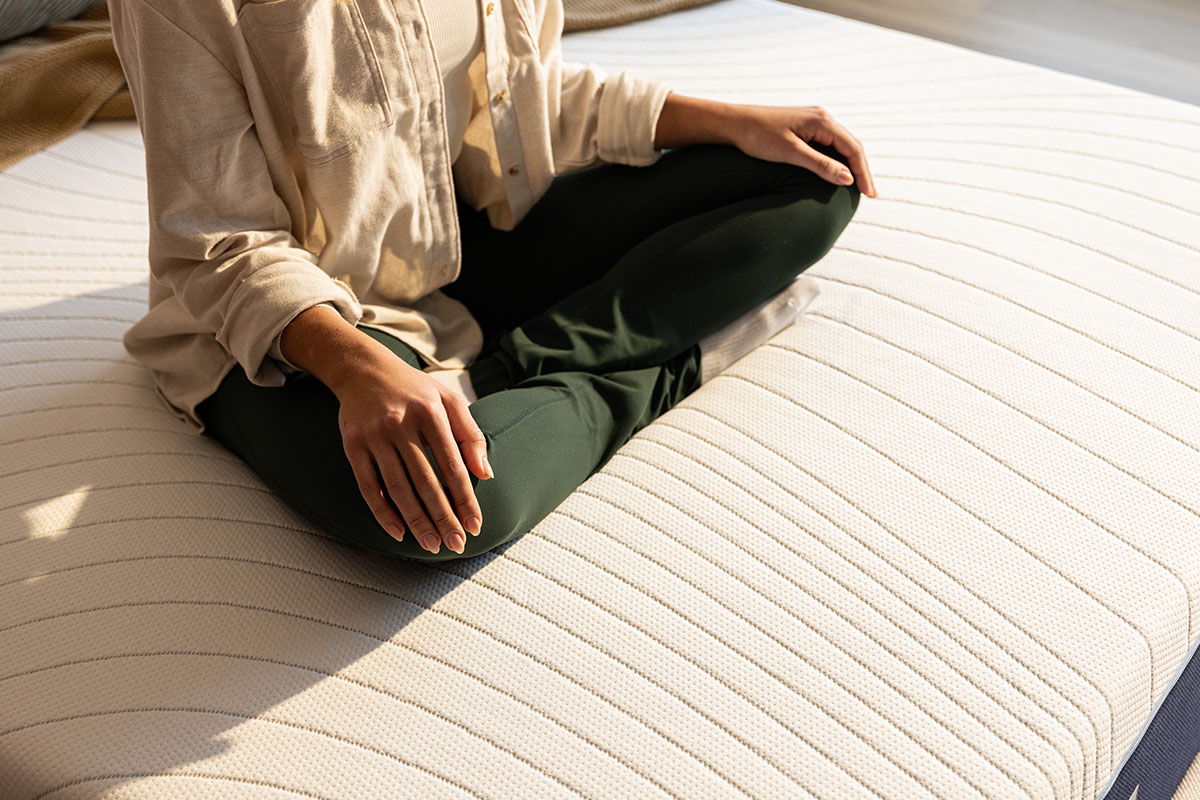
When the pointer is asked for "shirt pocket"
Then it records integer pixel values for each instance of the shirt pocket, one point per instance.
(318, 57)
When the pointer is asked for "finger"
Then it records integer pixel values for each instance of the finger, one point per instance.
(828, 168)
(454, 472)
(399, 488)
(852, 148)
(468, 435)
(368, 485)
(430, 491)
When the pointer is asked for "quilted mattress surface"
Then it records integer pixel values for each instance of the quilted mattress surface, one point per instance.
(937, 539)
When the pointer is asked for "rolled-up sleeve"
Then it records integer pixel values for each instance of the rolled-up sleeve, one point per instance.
(595, 116)
(219, 235)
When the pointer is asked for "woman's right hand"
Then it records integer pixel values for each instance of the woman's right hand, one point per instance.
(389, 412)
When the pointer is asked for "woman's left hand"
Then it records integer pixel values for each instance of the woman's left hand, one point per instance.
(782, 133)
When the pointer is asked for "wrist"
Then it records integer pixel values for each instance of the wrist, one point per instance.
(322, 343)
(688, 120)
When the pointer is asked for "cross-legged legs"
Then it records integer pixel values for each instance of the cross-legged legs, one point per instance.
(591, 307)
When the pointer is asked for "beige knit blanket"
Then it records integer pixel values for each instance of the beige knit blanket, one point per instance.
(53, 81)
(584, 15)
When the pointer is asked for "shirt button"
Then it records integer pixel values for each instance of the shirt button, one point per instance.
(489, 8)
(514, 169)
(499, 96)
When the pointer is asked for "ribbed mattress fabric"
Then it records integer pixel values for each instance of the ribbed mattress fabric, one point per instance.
(937, 539)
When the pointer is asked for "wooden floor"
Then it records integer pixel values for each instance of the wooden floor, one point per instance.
(1151, 45)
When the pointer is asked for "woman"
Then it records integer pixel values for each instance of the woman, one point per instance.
(423, 275)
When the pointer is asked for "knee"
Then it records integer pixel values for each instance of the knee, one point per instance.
(817, 213)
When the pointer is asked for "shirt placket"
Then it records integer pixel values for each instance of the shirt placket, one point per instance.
(434, 150)
(503, 112)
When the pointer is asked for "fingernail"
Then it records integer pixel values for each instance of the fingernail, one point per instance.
(845, 177)
(455, 542)
(488, 468)
(431, 543)
(473, 524)
(396, 531)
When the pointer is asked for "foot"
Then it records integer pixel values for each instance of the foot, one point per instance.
(719, 350)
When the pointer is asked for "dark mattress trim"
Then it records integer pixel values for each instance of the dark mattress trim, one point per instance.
(1168, 742)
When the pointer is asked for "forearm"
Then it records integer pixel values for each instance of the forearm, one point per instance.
(322, 343)
(694, 120)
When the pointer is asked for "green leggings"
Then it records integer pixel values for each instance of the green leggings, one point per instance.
(591, 310)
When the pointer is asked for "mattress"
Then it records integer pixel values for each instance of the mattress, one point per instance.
(936, 539)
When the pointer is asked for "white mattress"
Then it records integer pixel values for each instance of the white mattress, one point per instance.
(937, 539)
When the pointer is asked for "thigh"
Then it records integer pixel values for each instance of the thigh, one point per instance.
(587, 220)
(290, 436)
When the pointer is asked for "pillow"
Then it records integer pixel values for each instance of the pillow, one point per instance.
(19, 17)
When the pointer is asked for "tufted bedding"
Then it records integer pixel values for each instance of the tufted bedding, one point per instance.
(940, 538)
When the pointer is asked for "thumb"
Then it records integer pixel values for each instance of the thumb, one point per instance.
(828, 168)
(468, 435)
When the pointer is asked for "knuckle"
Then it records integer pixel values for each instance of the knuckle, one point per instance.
(446, 520)
(393, 420)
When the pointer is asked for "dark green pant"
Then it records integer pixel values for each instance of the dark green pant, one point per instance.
(591, 308)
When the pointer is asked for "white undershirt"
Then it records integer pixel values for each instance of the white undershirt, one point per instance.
(457, 36)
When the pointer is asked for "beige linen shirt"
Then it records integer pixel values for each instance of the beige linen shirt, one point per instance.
(296, 153)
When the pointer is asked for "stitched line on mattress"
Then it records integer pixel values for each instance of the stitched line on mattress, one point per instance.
(104, 170)
(714, 83)
(865, 599)
(1059, 203)
(768, 446)
(9, 176)
(189, 482)
(1026, 146)
(1104, 113)
(175, 774)
(73, 218)
(1117, 94)
(1066, 578)
(174, 431)
(666, 75)
(1051, 234)
(27, 411)
(1178, 579)
(332, 676)
(158, 518)
(234, 715)
(66, 318)
(844, 686)
(609, 613)
(1175, 575)
(1060, 323)
(66, 254)
(139, 454)
(73, 237)
(1032, 268)
(136, 145)
(1010, 168)
(778, 52)
(450, 665)
(141, 301)
(997, 343)
(358, 585)
(125, 362)
(93, 382)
